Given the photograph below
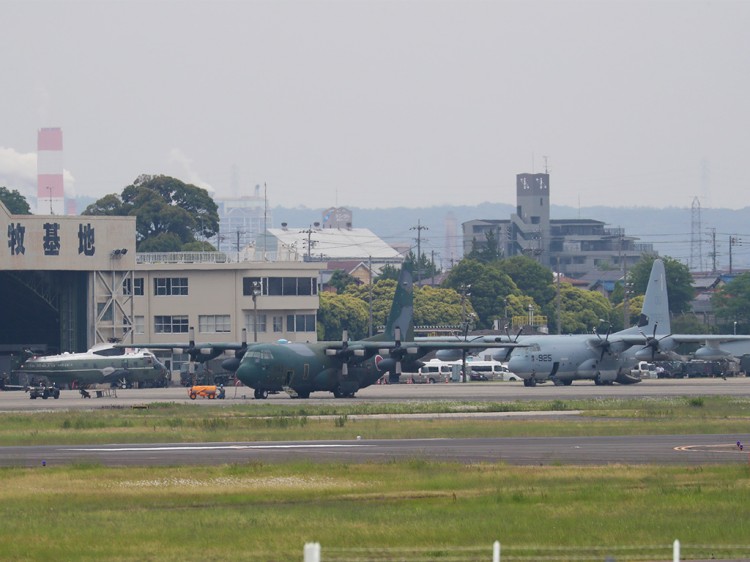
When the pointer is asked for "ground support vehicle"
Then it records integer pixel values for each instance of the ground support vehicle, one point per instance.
(209, 391)
(43, 391)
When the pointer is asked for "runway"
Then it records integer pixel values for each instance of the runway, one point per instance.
(671, 449)
(471, 392)
(660, 449)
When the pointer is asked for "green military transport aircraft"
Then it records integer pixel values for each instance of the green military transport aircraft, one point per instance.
(345, 366)
(104, 363)
(340, 367)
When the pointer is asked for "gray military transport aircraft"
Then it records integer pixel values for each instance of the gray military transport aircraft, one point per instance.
(606, 359)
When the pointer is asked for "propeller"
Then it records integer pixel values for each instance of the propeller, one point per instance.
(233, 363)
(604, 344)
(345, 353)
(511, 339)
(398, 351)
(652, 342)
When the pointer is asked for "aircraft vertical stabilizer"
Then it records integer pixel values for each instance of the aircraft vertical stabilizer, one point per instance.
(655, 311)
(402, 309)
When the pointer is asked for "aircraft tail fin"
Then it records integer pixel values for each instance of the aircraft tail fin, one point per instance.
(654, 316)
(402, 309)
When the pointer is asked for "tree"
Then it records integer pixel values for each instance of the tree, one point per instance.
(438, 306)
(635, 305)
(532, 278)
(383, 292)
(341, 312)
(581, 310)
(14, 201)
(732, 301)
(389, 271)
(489, 286)
(340, 279)
(679, 281)
(163, 206)
(422, 270)
(489, 252)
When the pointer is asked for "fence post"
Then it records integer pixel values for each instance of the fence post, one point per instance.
(312, 552)
(676, 551)
(496, 551)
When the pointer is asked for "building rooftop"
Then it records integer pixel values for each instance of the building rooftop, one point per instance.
(336, 243)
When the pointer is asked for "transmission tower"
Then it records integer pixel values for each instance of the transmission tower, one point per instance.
(696, 238)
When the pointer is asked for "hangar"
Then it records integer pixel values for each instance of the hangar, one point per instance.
(70, 282)
(57, 272)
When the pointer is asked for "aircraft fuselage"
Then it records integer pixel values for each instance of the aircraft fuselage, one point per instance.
(303, 368)
(89, 368)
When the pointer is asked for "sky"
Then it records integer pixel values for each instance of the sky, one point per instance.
(376, 104)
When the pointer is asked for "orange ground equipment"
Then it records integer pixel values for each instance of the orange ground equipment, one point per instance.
(206, 391)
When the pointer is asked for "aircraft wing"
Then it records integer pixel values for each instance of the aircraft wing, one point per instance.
(197, 352)
(713, 346)
(423, 347)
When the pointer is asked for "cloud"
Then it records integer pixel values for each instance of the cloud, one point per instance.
(182, 168)
(18, 171)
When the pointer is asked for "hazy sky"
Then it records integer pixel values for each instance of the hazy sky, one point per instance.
(385, 103)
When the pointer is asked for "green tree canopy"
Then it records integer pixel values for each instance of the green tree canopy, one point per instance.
(679, 281)
(389, 271)
(162, 206)
(582, 310)
(341, 312)
(383, 292)
(531, 278)
(489, 252)
(732, 302)
(422, 270)
(438, 306)
(340, 279)
(14, 201)
(489, 288)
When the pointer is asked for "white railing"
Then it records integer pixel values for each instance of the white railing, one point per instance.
(312, 553)
(246, 255)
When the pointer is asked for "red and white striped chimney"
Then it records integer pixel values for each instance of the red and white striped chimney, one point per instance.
(50, 193)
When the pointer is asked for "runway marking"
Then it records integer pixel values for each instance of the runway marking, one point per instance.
(213, 447)
(715, 448)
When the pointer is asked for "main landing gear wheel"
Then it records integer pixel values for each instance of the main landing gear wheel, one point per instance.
(338, 393)
(529, 382)
(260, 394)
(303, 394)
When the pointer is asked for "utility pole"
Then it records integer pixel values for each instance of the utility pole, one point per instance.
(256, 292)
(713, 249)
(558, 303)
(369, 332)
(626, 286)
(419, 228)
(464, 293)
(733, 241)
(310, 241)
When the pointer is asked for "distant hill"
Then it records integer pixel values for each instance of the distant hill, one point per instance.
(668, 229)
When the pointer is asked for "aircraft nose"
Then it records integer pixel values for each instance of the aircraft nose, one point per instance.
(520, 365)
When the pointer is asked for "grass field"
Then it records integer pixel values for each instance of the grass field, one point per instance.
(185, 423)
(405, 510)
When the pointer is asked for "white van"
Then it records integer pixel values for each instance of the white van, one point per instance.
(490, 371)
(431, 372)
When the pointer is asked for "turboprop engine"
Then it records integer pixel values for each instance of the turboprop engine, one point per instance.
(709, 353)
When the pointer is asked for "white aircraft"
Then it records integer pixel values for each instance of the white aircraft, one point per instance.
(104, 363)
